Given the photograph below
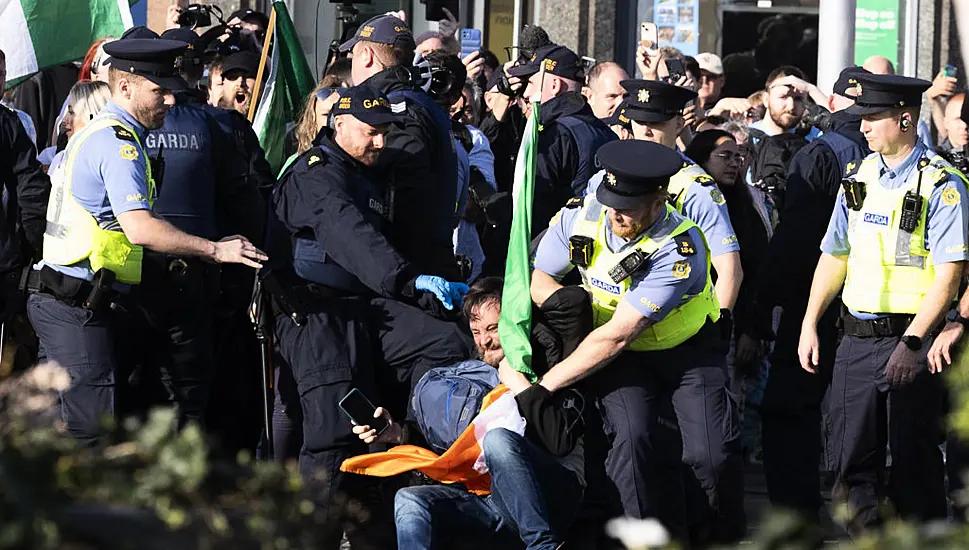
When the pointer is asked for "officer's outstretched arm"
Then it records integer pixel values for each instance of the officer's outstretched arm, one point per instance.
(599, 348)
(938, 299)
(543, 286)
(729, 277)
(143, 229)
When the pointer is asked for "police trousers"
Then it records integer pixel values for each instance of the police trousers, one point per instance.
(631, 392)
(868, 416)
(82, 342)
(379, 346)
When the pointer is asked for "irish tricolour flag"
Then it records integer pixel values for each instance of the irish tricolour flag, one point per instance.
(36, 34)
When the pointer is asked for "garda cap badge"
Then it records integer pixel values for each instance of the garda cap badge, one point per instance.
(610, 179)
(643, 96)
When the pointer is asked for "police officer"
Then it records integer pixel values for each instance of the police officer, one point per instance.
(352, 294)
(656, 111)
(897, 244)
(203, 179)
(571, 133)
(647, 269)
(791, 409)
(420, 156)
(99, 220)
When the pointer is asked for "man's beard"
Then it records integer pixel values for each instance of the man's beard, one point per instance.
(490, 356)
(151, 119)
(791, 121)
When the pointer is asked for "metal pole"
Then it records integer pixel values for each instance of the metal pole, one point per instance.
(836, 40)
(962, 25)
(910, 57)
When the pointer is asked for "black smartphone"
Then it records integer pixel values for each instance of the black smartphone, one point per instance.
(676, 69)
(360, 410)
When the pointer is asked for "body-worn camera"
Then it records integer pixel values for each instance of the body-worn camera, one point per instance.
(854, 193)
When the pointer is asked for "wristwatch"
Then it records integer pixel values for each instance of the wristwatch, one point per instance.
(913, 343)
(954, 317)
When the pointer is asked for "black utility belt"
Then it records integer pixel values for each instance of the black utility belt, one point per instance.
(73, 291)
(892, 325)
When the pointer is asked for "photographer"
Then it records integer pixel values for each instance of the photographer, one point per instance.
(954, 148)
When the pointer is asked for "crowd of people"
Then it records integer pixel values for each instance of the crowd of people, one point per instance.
(717, 280)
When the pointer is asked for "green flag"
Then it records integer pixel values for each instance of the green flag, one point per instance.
(37, 34)
(290, 81)
(515, 323)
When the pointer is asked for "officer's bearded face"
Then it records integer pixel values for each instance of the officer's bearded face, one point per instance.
(484, 328)
(785, 106)
(360, 140)
(663, 133)
(150, 103)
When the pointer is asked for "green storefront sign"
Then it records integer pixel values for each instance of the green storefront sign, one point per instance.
(876, 29)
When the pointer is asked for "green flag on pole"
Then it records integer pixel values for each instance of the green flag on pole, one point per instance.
(290, 81)
(515, 323)
(37, 34)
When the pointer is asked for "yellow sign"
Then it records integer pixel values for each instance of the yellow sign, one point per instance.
(681, 269)
(643, 96)
(128, 151)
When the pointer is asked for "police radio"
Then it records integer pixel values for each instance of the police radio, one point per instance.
(627, 266)
(911, 212)
(854, 193)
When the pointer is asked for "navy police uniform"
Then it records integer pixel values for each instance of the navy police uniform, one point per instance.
(791, 411)
(419, 158)
(361, 320)
(893, 226)
(570, 136)
(689, 369)
(68, 308)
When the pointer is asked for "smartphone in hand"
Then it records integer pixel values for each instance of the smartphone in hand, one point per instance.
(950, 71)
(648, 35)
(676, 68)
(470, 41)
(360, 410)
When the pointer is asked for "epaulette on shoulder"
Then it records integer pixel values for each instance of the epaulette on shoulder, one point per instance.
(123, 134)
(574, 202)
(852, 168)
(705, 180)
(314, 158)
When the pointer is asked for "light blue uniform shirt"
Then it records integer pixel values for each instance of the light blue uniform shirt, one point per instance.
(654, 291)
(948, 225)
(705, 206)
(105, 183)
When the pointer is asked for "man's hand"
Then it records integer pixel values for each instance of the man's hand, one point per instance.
(942, 88)
(647, 61)
(449, 25)
(514, 82)
(902, 366)
(474, 63)
(393, 434)
(448, 293)
(689, 117)
(238, 250)
(171, 18)
(732, 107)
(940, 356)
(516, 381)
(746, 351)
(808, 348)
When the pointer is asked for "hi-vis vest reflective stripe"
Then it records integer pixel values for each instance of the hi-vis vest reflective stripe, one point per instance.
(74, 235)
(691, 174)
(889, 270)
(682, 323)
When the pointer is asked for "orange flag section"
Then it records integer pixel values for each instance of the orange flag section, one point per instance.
(456, 465)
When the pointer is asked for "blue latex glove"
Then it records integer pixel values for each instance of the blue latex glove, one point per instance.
(448, 293)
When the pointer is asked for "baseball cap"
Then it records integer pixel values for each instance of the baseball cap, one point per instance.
(245, 61)
(556, 59)
(365, 104)
(383, 29)
(250, 16)
(710, 63)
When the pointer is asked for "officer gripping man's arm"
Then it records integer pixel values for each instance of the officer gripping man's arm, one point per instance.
(329, 192)
(633, 204)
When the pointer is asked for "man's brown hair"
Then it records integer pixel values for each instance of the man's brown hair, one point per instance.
(483, 291)
(394, 55)
(115, 76)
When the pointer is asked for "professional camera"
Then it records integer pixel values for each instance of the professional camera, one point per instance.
(198, 15)
(957, 158)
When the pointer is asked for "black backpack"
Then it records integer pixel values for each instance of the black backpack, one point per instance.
(770, 160)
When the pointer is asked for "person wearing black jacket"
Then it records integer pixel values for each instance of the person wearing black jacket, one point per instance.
(571, 133)
(419, 159)
(791, 408)
(346, 319)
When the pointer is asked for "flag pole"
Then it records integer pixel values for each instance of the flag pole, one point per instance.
(270, 30)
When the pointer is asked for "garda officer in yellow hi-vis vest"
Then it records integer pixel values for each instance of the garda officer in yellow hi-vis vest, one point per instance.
(897, 244)
(655, 111)
(98, 219)
(647, 269)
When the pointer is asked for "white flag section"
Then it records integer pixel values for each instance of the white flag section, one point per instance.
(37, 34)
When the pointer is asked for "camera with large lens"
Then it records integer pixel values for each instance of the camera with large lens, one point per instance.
(197, 15)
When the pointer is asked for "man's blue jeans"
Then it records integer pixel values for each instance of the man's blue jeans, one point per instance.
(533, 499)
